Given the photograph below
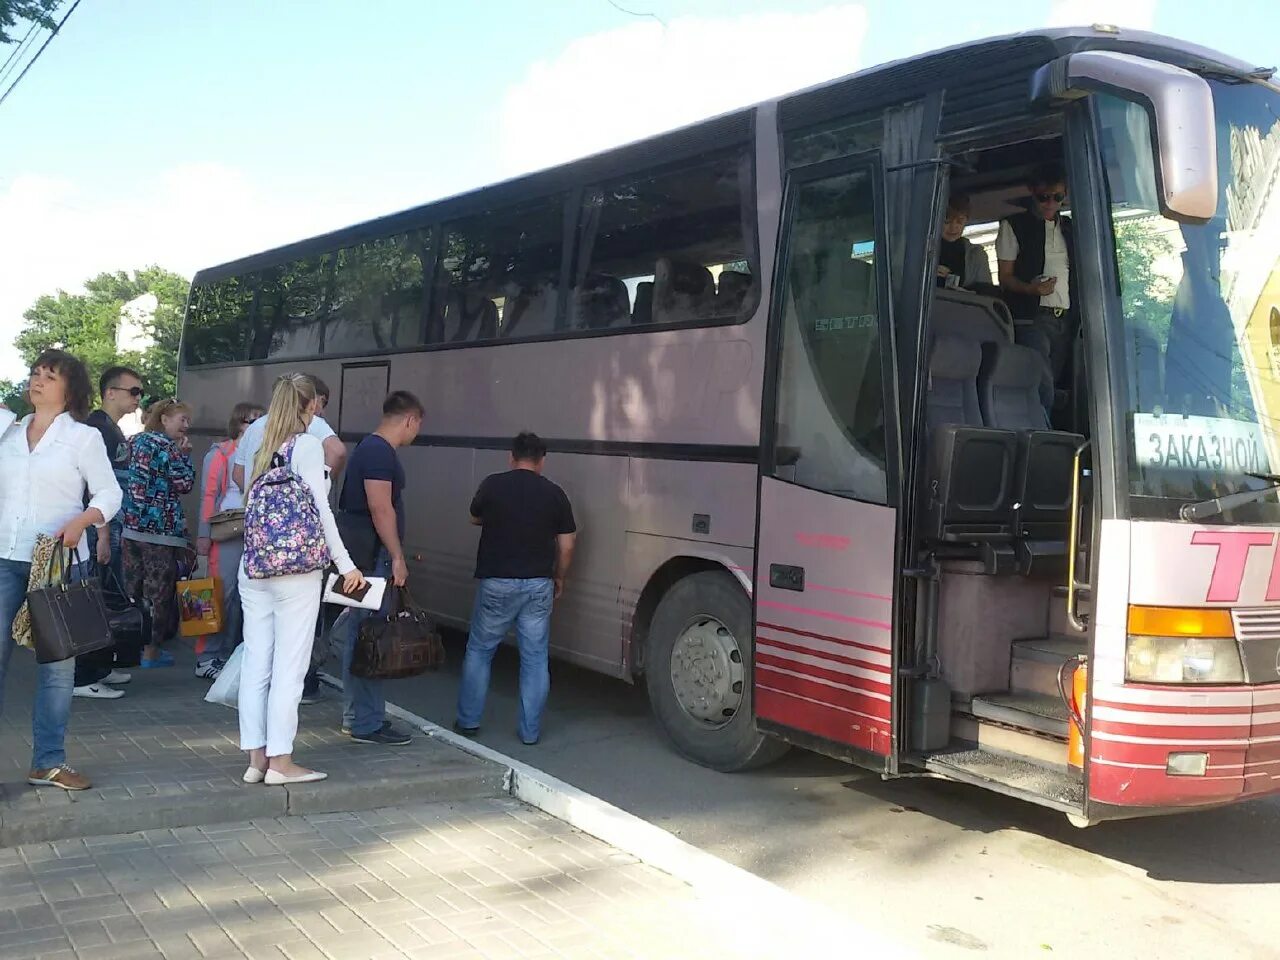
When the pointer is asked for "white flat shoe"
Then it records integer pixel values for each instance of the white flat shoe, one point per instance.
(253, 775)
(276, 779)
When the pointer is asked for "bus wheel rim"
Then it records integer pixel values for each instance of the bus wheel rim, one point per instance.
(708, 673)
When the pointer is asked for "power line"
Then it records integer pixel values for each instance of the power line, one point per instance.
(15, 56)
(43, 47)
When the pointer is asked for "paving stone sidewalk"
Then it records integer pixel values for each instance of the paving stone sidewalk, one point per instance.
(162, 757)
(485, 878)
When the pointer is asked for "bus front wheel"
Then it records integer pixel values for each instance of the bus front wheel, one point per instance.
(698, 673)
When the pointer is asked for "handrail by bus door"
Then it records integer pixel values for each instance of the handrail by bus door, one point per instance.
(1076, 588)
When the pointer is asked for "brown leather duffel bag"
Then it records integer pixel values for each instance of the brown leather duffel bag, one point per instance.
(404, 643)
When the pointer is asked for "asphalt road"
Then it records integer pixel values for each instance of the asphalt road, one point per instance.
(952, 869)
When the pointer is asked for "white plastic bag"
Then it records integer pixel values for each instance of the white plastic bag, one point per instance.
(226, 689)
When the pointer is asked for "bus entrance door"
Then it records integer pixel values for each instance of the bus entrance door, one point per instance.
(825, 554)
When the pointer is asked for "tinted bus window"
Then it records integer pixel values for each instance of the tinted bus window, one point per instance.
(499, 274)
(377, 301)
(669, 247)
(289, 315)
(218, 328)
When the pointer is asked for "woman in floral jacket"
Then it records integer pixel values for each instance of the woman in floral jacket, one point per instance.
(155, 530)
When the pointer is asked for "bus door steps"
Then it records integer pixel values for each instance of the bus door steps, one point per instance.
(1023, 711)
(1059, 789)
(1034, 664)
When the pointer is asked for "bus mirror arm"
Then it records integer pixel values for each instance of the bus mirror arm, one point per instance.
(1180, 104)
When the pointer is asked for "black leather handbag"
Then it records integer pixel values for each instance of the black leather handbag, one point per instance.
(68, 618)
(404, 643)
(129, 618)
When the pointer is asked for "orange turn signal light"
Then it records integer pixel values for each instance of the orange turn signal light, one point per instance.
(1180, 622)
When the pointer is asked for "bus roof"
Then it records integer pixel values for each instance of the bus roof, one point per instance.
(982, 63)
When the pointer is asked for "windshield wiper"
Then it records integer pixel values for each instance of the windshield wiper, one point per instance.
(1212, 508)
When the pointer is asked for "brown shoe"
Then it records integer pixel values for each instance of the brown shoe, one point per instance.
(62, 776)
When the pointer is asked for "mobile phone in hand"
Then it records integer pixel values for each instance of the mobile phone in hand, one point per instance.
(357, 594)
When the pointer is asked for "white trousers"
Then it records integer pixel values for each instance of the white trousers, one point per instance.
(279, 629)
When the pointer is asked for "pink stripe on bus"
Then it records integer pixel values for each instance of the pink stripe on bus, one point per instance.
(825, 615)
(850, 593)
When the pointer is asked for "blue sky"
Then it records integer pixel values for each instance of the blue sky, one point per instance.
(188, 133)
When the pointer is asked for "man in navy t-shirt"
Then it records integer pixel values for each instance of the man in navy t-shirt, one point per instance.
(526, 546)
(373, 493)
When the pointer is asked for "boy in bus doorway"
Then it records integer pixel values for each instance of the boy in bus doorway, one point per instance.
(527, 538)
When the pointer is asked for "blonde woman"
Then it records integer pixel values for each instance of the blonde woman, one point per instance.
(289, 538)
(154, 539)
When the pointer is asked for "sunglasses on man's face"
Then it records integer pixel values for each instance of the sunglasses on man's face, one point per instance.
(1055, 197)
(248, 420)
(134, 392)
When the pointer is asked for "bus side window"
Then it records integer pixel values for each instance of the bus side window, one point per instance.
(652, 247)
(499, 273)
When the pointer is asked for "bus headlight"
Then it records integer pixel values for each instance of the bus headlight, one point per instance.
(1183, 660)
(1182, 645)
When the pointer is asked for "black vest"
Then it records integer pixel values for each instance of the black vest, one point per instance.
(1028, 229)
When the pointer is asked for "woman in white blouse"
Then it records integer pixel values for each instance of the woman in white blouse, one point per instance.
(280, 612)
(47, 461)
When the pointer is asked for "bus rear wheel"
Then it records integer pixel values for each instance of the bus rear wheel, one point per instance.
(698, 673)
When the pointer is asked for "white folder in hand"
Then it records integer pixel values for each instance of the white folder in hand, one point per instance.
(372, 600)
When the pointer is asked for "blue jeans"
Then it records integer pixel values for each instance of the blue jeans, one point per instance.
(222, 644)
(363, 706)
(52, 708)
(501, 603)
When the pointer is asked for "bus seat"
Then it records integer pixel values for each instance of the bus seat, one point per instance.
(970, 492)
(682, 291)
(1010, 388)
(953, 382)
(958, 313)
(1042, 499)
(467, 316)
(532, 309)
(732, 292)
(600, 301)
(642, 312)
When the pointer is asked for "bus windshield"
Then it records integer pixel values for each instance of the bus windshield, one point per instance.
(1201, 307)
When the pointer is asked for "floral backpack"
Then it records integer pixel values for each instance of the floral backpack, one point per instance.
(282, 530)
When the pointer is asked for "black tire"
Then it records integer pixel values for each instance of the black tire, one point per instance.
(736, 745)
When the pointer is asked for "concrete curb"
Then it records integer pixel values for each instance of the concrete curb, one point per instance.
(764, 908)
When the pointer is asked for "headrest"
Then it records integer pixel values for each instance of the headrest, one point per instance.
(733, 290)
(601, 301)
(954, 358)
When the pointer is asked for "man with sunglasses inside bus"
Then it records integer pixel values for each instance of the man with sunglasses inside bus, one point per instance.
(120, 393)
(1035, 250)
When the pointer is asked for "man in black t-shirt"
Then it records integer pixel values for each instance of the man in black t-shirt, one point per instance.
(373, 495)
(526, 546)
(120, 390)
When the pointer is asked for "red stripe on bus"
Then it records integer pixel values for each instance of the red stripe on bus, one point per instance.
(1181, 710)
(823, 721)
(769, 676)
(811, 652)
(881, 684)
(821, 636)
(826, 615)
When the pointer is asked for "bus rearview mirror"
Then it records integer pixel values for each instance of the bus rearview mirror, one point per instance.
(1180, 105)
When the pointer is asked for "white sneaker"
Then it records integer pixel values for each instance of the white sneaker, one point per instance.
(209, 670)
(117, 678)
(96, 691)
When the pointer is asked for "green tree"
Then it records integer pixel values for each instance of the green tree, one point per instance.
(86, 324)
(13, 396)
(38, 12)
(1142, 243)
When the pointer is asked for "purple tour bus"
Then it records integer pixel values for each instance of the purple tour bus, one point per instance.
(828, 497)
